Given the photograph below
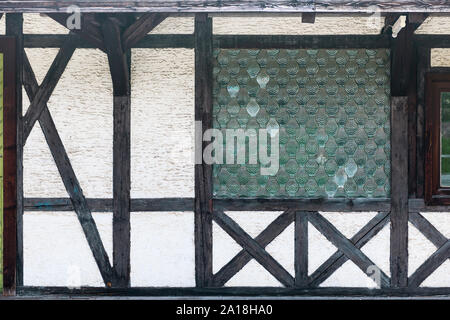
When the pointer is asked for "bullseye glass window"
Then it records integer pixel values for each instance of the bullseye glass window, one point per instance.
(327, 112)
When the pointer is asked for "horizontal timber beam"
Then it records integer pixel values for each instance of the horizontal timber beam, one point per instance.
(329, 205)
(226, 6)
(432, 40)
(106, 205)
(236, 291)
(230, 41)
(186, 204)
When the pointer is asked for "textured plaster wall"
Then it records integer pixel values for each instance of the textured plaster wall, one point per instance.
(162, 249)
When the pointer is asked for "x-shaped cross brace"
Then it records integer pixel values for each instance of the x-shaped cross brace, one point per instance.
(254, 248)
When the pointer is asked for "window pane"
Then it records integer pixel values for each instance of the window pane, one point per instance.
(445, 139)
(329, 111)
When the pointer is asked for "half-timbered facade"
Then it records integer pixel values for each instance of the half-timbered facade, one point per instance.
(105, 106)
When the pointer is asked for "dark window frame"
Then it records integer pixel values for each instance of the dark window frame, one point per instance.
(435, 194)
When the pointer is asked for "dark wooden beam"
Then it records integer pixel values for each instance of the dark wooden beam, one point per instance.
(41, 96)
(138, 30)
(257, 292)
(432, 40)
(121, 191)
(427, 229)
(418, 205)
(308, 17)
(423, 67)
(106, 205)
(253, 248)
(389, 21)
(89, 30)
(346, 246)
(69, 178)
(301, 41)
(403, 58)
(399, 192)
(116, 57)
(196, 6)
(301, 249)
(120, 75)
(363, 236)
(203, 171)
(272, 231)
(328, 205)
(12, 155)
(232, 41)
(430, 265)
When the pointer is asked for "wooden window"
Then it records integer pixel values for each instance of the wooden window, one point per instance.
(437, 165)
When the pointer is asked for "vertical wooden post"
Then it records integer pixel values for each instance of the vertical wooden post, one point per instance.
(301, 249)
(399, 192)
(424, 65)
(121, 190)
(203, 172)
(13, 156)
(119, 68)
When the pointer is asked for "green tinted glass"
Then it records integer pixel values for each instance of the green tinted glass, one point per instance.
(330, 111)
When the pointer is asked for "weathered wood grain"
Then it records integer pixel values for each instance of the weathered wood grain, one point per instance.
(203, 171)
(328, 205)
(363, 236)
(330, 293)
(228, 6)
(89, 30)
(138, 30)
(12, 155)
(301, 41)
(253, 248)
(121, 191)
(427, 229)
(301, 249)
(430, 265)
(41, 96)
(272, 231)
(117, 60)
(399, 192)
(327, 293)
(424, 61)
(69, 179)
(106, 205)
(346, 246)
(227, 41)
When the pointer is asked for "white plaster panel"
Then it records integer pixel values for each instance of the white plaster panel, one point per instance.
(440, 57)
(435, 25)
(294, 25)
(162, 122)
(162, 249)
(56, 252)
(81, 107)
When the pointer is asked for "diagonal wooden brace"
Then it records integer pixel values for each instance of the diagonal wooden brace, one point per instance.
(263, 239)
(430, 265)
(253, 248)
(346, 246)
(138, 30)
(333, 263)
(45, 90)
(69, 178)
